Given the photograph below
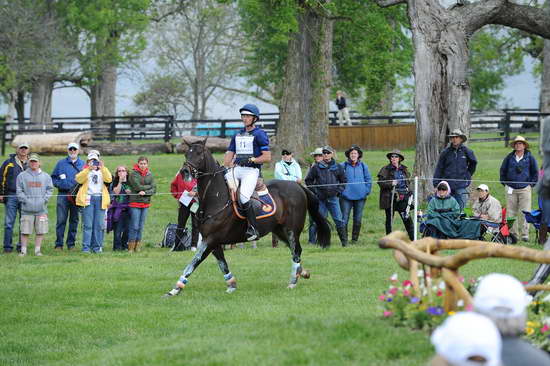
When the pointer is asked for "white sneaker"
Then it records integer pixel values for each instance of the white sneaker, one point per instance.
(193, 249)
(38, 254)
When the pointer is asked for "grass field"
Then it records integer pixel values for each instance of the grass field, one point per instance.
(68, 308)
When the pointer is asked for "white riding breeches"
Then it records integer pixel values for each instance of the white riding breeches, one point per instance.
(248, 178)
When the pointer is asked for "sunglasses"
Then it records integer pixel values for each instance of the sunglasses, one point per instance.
(283, 154)
(72, 149)
(394, 156)
(23, 147)
(327, 152)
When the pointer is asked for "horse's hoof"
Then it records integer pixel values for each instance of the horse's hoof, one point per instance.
(305, 274)
(230, 290)
(291, 285)
(173, 292)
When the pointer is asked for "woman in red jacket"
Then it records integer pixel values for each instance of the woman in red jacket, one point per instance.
(178, 187)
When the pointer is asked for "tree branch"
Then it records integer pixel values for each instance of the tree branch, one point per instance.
(246, 92)
(388, 3)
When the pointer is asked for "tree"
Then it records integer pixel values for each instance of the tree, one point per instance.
(197, 54)
(545, 78)
(440, 39)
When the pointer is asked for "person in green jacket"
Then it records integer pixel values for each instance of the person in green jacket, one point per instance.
(142, 186)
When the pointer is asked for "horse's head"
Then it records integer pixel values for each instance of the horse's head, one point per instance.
(195, 159)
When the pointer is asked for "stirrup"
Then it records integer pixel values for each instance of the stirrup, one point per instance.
(173, 292)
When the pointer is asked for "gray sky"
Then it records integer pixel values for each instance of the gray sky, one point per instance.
(522, 91)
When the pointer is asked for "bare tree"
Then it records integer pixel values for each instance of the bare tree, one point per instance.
(199, 50)
(440, 38)
(545, 79)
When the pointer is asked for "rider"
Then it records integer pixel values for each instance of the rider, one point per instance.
(246, 153)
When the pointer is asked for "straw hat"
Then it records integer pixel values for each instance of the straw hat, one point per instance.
(458, 133)
(395, 152)
(519, 139)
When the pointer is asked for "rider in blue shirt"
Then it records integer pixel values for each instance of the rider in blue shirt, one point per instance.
(246, 153)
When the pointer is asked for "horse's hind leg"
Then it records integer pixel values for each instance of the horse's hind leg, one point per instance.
(296, 250)
(202, 252)
(227, 275)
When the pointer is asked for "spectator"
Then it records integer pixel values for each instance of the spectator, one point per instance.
(288, 168)
(118, 215)
(327, 180)
(94, 197)
(456, 164)
(34, 189)
(9, 171)
(487, 207)
(467, 338)
(63, 177)
(357, 190)
(518, 174)
(343, 112)
(503, 299)
(142, 184)
(395, 195)
(312, 233)
(180, 187)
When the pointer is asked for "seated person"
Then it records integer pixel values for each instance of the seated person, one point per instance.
(444, 217)
(487, 207)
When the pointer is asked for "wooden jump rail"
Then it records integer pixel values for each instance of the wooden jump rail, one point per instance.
(409, 254)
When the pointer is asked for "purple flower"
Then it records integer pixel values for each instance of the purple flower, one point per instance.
(414, 300)
(389, 299)
(435, 310)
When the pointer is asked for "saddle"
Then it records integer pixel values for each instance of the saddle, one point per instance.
(263, 204)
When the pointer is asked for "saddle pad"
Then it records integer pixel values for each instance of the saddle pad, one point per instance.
(264, 205)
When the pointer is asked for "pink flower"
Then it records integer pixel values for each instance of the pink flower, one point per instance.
(407, 283)
(461, 279)
(545, 328)
(469, 307)
(439, 293)
(393, 277)
(387, 313)
(382, 297)
(393, 290)
(406, 293)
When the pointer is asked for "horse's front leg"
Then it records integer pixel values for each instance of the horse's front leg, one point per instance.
(297, 270)
(202, 252)
(230, 280)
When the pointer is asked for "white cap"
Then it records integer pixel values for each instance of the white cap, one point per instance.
(465, 335)
(501, 295)
(93, 156)
(94, 152)
(73, 144)
(483, 187)
(24, 144)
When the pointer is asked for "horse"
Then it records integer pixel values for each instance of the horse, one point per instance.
(219, 224)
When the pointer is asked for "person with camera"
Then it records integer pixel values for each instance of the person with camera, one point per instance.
(63, 177)
(118, 215)
(518, 174)
(93, 197)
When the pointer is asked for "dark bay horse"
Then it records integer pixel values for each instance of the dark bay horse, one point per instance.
(219, 224)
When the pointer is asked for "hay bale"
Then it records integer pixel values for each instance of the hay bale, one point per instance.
(53, 143)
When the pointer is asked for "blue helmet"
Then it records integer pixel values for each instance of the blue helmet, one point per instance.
(252, 109)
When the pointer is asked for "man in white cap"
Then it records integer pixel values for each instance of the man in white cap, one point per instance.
(518, 174)
(63, 177)
(456, 164)
(467, 339)
(11, 168)
(487, 207)
(503, 299)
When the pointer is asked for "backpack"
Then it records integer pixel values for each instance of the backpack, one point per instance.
(169, 238)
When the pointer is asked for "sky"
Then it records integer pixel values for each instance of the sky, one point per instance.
(521, 90)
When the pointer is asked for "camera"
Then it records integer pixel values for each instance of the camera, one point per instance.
(95, 162)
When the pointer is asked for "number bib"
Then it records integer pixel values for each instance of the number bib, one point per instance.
(244, 145)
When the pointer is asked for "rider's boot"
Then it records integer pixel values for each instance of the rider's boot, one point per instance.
(251, 233)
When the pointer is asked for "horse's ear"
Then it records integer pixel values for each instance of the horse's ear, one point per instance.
(186, 143)
(204, 141)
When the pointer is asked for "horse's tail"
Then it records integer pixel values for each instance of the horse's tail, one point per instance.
(323, 228)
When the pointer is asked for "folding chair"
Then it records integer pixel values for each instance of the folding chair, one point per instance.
(534, 218)
(500, 232)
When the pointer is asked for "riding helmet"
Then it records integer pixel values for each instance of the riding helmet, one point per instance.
(251, 109)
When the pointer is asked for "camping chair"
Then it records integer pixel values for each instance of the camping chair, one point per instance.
(500, 232)
(534, 218)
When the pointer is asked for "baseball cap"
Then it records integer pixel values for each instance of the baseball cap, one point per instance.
(286, 152)
(317, 151)
(34, 157)
(93, 155)
(73, 144)
(328, 148)
(465, 335)
(501, 295)
(23, 144)
(483, 187)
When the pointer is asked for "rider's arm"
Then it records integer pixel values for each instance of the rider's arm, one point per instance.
(228, 159)
(264, 158)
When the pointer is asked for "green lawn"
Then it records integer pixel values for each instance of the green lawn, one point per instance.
(70, 308)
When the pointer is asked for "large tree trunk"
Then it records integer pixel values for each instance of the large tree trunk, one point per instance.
(545, 80)
(11, 97)
(442, 92)
(41, 101)
(103, 93)
(304, 107)
(20, 107)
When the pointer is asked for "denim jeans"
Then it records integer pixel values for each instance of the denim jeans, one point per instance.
(120, 231)
(347, 205)
(93, 218)
(66, 210)
(332, 205)
(10, 214)
(137, 221)
(461, 196)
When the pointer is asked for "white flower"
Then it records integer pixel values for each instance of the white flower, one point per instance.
(442, 285)
(393, 277)
(460, 302)
(420, 273)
